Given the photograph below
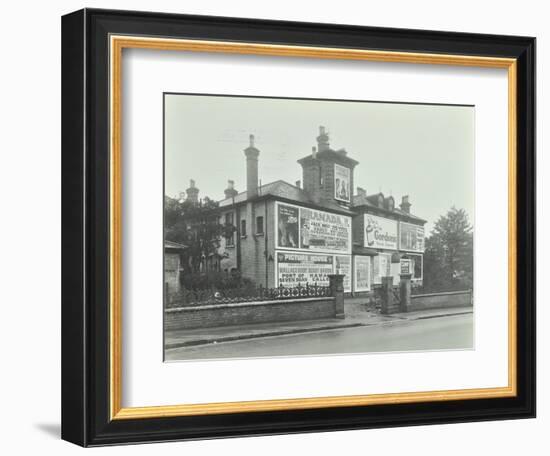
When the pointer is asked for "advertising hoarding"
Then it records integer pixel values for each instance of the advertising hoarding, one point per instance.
(287, 226)
(406, 266)
(342, 183)
(417, 266)
(295, 269)
(381, 267)
(342, 265)
(411, 237)
(311, 230)
(380, 232)
(362, 280)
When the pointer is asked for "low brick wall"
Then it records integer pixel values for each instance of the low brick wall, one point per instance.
(441, 300)
(249, 312)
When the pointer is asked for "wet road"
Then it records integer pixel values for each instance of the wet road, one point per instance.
(442, 333)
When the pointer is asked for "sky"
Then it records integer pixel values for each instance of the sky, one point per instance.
(424, 151)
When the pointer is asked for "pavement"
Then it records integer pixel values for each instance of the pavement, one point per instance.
(357, 315)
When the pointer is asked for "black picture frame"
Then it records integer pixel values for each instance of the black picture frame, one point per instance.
(85, 225)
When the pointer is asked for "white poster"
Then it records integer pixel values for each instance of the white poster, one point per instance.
(380, 232)
(411, 237)
(311, 230)
(362, 280)
(342, 265)
(341, 183)
(382, 267)
(295, 269)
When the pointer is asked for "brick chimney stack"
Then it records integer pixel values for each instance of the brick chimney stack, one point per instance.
(230, 191)
(192, 192)
(251, 154)
(405, 205)
(323, 139)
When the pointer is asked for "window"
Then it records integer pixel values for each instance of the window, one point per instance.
(230, 240)
(243, 228)
(259, 225)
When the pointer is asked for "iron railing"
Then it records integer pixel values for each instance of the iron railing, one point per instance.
(245, 294)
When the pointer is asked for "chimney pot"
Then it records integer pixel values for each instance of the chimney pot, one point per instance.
(230, 191)
(405, 204)
(323, 139)
(251, 154)
(192, 192)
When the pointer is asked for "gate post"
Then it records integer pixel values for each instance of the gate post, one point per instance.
(405, 292)
(337, 290)
(387, 295)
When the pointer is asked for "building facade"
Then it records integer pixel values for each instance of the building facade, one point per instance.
(289, 235)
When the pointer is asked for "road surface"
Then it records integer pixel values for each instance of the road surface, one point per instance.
(441, 333)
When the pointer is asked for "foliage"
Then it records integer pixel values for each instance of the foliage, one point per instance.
(448, 258)
(195, 225)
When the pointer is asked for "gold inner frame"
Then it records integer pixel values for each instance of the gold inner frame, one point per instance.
(117, 44)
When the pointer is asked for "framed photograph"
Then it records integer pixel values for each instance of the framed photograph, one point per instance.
(277, 227)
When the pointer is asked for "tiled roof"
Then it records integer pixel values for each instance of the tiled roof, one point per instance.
(363, 200)
(331, 155)
(282, 189)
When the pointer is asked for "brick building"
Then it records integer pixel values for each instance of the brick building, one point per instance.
(292, 234)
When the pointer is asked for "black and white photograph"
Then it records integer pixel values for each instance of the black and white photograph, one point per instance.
(308, 227)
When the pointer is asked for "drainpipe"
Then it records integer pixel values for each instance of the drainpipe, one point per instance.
(238, 236)
(265, 241)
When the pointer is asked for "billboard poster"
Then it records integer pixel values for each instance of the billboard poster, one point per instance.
(417, 266)
(411, 237)
(287, 226)
(380, 233)
(295, 269)
(362, 273)
(342, 265)
(381, 267)
(324, 232)
(341, 183)
(311, 230)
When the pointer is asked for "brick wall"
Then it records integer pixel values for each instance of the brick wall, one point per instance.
(441, 300)
(247, 313)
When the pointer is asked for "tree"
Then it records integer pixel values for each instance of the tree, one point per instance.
(448, 258)
(197, 226)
